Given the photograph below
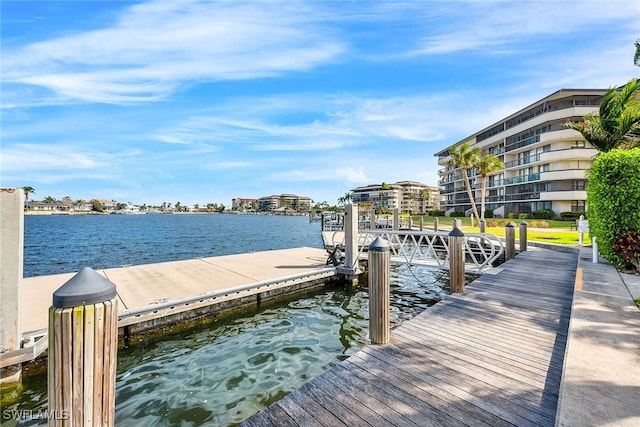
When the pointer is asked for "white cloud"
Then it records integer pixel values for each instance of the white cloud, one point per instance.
(352, 175)
(158, 45)
(509, 26)
(23, 157)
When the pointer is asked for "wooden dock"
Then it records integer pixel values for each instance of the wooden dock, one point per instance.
(491, 356)
(180, 286)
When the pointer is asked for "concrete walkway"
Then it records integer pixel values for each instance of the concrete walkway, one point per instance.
(601, 376)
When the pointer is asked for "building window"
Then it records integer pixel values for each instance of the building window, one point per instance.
(578, 206)
(578, 144)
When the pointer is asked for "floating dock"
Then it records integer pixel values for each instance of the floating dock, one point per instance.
(151, 294)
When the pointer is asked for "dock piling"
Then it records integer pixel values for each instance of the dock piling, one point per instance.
(83, 344)
(523, 236)
(510, 241)
(379, 291)
(456, 260)
(11, 272)
(350, 269)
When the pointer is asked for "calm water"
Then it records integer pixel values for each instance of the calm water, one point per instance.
(67, 243)
(222, 373)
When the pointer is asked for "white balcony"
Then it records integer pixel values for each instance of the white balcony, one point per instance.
(570, 174)
(568, 154)
(563, 195)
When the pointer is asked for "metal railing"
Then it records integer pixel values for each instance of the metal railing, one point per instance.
(430, 248)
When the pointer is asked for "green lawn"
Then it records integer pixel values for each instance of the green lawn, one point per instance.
(558, 232)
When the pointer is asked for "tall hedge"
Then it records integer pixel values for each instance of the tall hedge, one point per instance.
(613, 199)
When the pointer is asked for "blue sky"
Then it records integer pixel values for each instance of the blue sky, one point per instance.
(203, 101)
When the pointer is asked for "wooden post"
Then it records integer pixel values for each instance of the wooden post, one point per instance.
(456, 260)
(11, 272)
(379, 291)
(83, 344)
(410, 222)
(523, 236)
(510, 241)
(350, 269)
(483, 226)
(396, 219)
(435, 224)
(421, 223)
(372, 224)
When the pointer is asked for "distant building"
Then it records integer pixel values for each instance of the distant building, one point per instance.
(408, 196)
(108, 205)
(244, 205)
(284, 203)
(544, 161)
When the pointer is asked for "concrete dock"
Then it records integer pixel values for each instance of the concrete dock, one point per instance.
(142, 287)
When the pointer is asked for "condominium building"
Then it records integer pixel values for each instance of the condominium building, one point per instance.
(244, 204)
(544, 161)
(408, 196)
(284, 202)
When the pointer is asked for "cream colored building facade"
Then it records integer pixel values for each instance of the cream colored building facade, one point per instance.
(545, 162)
(408, 196)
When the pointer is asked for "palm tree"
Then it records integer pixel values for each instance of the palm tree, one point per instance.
(49, 199)
(424, 196)
(486, 165)
(465, 158)
(617, 125)
(28, 190)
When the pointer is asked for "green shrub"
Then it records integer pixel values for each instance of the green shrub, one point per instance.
(457, 214)
(436, 212)
(511, 215)
(572, 216)
(544, 214)
(613, 199)
(523, 216)
(627, 247)
(488, 213)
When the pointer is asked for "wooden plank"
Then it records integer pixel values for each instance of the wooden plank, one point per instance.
(53, 384)
(66, 368)
(277, 417)
(499, 377)
(296, 412)
(110, 351)
(77, 365)
(423, 387)
(88, 355)
(343, 413)
(364, 397)
(264, 419)
(466, 380)
(396, 391)
(483, 351)
(347, 399)
(423, 374)
(315, 409)
(98, 363)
